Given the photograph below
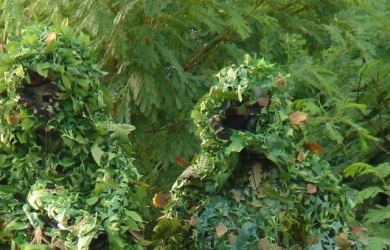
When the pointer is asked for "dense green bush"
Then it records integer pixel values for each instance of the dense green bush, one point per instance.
(66, 174)
(258, 181)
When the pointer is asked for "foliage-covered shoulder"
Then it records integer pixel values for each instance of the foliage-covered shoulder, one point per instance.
(66, 173)
(257, 182)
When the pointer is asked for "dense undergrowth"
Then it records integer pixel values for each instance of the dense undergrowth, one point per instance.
(160, 58)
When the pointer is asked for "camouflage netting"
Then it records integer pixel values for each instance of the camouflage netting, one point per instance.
(257, 182)
(66, 175)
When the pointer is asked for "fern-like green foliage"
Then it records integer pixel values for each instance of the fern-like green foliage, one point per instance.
(160, 57)
(373, 201)
(167, 228)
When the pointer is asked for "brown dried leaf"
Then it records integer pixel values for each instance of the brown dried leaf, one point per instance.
(314, 146)
(160, 200)
(342, 241)
(232, 239)
(237, 195)
(193, 220)
(280, 80)
(255, 176)
(263, 244)
(313, 240)
(311, 188)
(362, 234)
(13, 118)
(301, 156)
(298, 117)
(264, 101)
(221, 229)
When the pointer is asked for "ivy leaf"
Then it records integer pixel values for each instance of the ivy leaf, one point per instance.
(66, 82)
(97, 153)
(221, 229)
(43, 69)
(91, 201)
(297, 117)
(134, 215)
(236, 145)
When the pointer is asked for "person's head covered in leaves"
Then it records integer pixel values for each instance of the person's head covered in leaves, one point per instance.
(254, 183)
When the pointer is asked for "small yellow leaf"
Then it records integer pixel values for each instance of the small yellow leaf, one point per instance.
(160, 200)
(50, 38)
(221, 229)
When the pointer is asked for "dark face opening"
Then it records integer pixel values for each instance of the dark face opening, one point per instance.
(38, 94)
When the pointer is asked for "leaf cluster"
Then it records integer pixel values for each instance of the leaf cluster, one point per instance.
(262, 183)
(66, 170)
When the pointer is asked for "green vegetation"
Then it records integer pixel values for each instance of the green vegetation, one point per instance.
(66, 169)
(159, 58)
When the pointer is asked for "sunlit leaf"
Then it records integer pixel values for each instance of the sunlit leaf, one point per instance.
(97, 153)
(50, 38)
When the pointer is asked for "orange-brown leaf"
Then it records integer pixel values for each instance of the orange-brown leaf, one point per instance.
(221, 229)
(181, 162)
(298, 117)
(314, 147)
(311, 188)
(160, 200)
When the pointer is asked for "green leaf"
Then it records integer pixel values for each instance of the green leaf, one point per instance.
(43, 68)
(236, 145)
(134, 215)
(97, 153)
(358, 169)
(7, 189)
(27, 123)
(92, 200)
(367, 193)
(66, 82)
